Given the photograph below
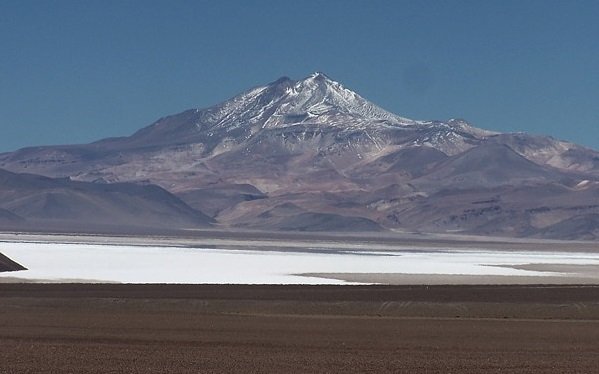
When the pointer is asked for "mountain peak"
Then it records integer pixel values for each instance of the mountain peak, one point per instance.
(318, 98)
(315, 100)
(315, 78)
(318, 75)
(319, 79)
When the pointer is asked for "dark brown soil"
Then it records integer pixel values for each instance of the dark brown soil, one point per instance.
(298, 329)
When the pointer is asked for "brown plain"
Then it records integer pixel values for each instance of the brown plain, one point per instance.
(71, 328)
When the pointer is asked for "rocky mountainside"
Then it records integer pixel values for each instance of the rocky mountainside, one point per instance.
(312, 154)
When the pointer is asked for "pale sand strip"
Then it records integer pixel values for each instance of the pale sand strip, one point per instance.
(587, 271)
(57, 281)
(448, 279)
(294, 242)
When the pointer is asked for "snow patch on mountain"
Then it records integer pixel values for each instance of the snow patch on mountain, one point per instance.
(316, 99)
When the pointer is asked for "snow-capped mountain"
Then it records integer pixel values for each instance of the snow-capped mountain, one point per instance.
(292, 153)
(315, 100)
(315, 104)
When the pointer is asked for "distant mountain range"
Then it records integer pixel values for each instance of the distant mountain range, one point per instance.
(310, 155)
(34, 201)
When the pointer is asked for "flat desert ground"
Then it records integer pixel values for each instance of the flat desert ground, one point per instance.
(74, 328)
(218, 328)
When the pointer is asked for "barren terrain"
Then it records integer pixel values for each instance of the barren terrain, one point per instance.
(298, 329)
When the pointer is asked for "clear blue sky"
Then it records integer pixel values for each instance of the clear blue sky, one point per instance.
(78, 71)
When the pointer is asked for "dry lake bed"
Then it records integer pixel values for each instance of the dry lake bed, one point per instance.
(96, 260)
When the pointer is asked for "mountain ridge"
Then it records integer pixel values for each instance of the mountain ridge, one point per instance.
(31, 200)
(318, 145)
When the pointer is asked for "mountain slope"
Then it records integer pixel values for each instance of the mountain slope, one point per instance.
(317, 145)
(488, 166)
(35, 200)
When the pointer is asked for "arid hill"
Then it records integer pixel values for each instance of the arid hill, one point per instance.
(34, 201)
